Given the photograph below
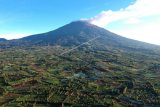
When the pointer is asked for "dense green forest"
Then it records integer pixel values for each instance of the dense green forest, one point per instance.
(40, 76)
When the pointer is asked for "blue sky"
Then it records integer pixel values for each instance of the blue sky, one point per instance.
(20, 18)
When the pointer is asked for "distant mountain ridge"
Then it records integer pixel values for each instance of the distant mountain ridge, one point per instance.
(3, 39)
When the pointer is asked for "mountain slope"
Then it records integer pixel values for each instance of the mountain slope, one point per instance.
(70, 34)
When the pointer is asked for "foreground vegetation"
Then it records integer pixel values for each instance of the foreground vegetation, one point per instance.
(43, 77)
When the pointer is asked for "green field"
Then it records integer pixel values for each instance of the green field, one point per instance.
(41, 77)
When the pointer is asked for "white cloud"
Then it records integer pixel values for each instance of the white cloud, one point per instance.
(148, 32)
(132, 21)
(13, 35)
(139, 21)
(131, 14)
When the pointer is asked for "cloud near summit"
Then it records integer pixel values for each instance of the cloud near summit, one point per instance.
(129, 15)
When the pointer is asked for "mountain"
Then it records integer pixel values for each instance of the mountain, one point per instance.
(78, 32)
